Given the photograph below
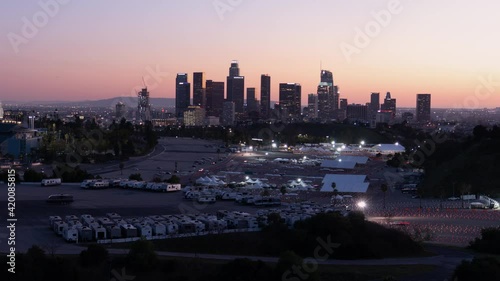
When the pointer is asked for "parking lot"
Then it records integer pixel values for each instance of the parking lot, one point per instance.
(451, 223)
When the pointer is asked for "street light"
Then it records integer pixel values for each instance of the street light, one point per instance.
(362, 142)
(361, 204)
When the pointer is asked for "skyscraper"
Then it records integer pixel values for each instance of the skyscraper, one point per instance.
(228, 113)
(290, 100)
(265, 95)
(328, 96)
(236, 87)
(423, 107)
(324, 102)
(143, 106)
(374, 105)
(252, 105)
(1, 111)
(312, 106)
(182, 94)
(234, 69)
(357, 112)
(389, 104)
(343, 104)
(199, 98)
(215, 97)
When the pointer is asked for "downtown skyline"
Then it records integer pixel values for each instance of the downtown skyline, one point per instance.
(426, 47)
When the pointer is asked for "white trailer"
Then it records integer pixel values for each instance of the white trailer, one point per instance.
(99, 232)
(70, 234)
(114, 231)
(128, 230)
(49, 182)
(173, 187)
(159, 229)
(59, 227)
(171, 227)
(53, 219)
(99, 184)
(144, 230)
(85, 233)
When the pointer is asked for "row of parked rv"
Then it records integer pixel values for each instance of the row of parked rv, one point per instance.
(211, 195)
(112, 226)
(134, 184)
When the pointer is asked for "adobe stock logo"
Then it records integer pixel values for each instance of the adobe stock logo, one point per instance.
(372, 29)
(224, 6)
(39, 20)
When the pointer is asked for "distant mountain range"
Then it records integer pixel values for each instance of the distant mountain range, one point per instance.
(111, 102)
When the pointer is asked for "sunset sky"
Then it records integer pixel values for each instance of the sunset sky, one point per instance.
(100, 49)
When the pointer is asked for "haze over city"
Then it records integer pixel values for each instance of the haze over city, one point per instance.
(94, 49)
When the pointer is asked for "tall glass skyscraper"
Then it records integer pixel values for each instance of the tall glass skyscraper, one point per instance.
(423, 107)
(182, 94)
(265, 95)
(199, 98)
(236, 87)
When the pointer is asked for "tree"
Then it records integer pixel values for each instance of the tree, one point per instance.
(290, 266)
(142, 255)
(283, 189)
(384, 189)
(487, 268)
(136, 176)
(33, 176)
(335, 193)
(94, 255)
(174, 179)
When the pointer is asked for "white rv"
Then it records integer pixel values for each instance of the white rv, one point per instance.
(70, 234)
(49, 182)
(173, 187)
(99, 184)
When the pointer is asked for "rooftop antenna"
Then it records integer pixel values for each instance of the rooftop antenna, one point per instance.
(144, 82)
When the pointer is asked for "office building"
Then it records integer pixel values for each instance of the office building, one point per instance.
(215, 98)
(389, 104)
(199, 95)
(182, 94)
(328, 97)
(252, 105)
(265, 95)
(423, 112)
(312, 106)
(228, 114)
(290, 100)
(143, 106)
(357, 112)
(374, 104)
(194, 116)
(236, 87)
